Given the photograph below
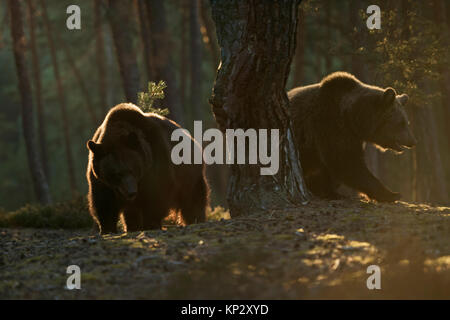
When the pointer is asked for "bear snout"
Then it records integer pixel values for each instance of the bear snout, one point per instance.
(129, 187)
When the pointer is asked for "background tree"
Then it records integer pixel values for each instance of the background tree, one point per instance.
(250, 93)
(34, 162)
(161, 58)
(61, 100)
(42, 130)
(121, 22)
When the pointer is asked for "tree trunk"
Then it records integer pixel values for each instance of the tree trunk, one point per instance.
(61, 101)
(145, 37)
(38, 178)
(257, 40)
(100, 55)
(208, 31)
(196, 61)
(81, 83)
(299, 57)
(42, 129)
(441, 18)
(184, 71)
(161, 58)
(121, 26)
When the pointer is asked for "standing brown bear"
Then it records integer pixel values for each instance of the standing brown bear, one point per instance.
(332, 121)
(130, 172)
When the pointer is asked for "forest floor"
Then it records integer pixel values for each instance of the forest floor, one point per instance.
(318, 251)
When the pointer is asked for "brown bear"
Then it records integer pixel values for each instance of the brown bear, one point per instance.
(332, 122)
(130, 172)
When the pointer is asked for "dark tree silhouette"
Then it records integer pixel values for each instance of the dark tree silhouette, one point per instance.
(42, 130)
(61, 100)
(120, 19)
(299, 57)
(38, 178)
(100, 54)
(161, 58)
(208, 31)
(257, 39)
(196, 61)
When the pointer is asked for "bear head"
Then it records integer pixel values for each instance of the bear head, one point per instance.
(391, 128)
(120, 165)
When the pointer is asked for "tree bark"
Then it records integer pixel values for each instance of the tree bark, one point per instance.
(299, 57)
(81, 83)
(196, 61)
(38, 178)
(257, 40)
(442, 20)
(184, 69)
(121, 28)
(61, 100)
(208, 31)
(145, 37)
(42, 127)
(100, 56)
(161, 58)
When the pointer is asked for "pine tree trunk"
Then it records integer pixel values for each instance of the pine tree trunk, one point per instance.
(100, 55)
(161, 58)
(195, 93)
(38, 178)
(145, 37)
(121, 26)
(42, 127)
(299, 57)
(81, 83)
(442, 20)
(184, 67)
(257, 40)
(208, 31)
(61, 101)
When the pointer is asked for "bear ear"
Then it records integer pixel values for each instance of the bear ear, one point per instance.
(95, 148)
(389, 96)
(403, 99)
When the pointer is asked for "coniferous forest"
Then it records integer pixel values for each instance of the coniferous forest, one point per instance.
(362, 166)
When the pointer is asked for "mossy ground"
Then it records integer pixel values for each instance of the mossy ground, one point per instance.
(320, 250)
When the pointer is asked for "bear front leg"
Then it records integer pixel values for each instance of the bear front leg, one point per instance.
(321, 184)
(193, 206)
(133, 219)
(357, 176)
(103, 207)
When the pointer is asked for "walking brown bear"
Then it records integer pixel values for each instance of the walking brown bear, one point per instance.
(130, 172)
(332, 121)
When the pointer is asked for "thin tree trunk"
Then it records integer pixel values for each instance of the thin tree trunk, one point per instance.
(442, 20)
(100, 54)
(145, 36)
(299, 57)
(196, 61)
(38, 178)
(328, 55)
(42, 130)
(121, 27)
(61, 100)
(81, 83)
(161, 58)
(208, 31)
(184, 72)
(257, 39)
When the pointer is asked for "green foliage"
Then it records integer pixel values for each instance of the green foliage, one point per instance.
(66, 215)
(147, 99)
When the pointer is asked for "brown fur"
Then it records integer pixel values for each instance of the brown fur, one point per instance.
(130, 172)
(332, 121)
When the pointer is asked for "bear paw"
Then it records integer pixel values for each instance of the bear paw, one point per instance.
(389, 197)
